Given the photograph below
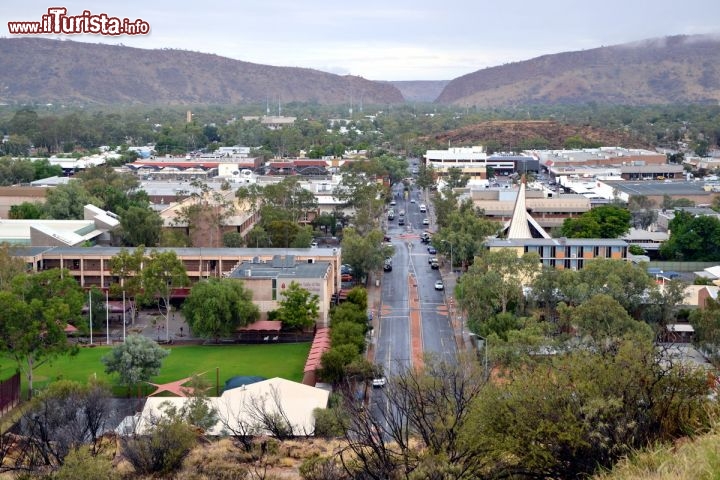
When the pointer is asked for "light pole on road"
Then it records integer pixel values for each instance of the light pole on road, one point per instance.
(451, 257)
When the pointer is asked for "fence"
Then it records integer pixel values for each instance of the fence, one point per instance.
(9, 393)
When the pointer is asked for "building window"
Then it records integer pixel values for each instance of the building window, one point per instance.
(274, 289)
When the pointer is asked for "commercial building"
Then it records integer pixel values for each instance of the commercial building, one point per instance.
(525, 235)
(471, 160)
(95, 228)
(498, 204)
(267, 280)
(597, 157)
(318, 268)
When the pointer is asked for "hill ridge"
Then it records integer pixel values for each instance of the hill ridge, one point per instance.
(677, 69)
(45, 70)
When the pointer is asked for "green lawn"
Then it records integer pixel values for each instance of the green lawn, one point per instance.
(279, 360)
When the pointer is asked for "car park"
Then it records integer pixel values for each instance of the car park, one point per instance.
(439, 285)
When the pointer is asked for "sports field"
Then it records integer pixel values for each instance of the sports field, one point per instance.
(278, 360)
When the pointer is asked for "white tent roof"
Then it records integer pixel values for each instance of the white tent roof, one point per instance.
(240, 406)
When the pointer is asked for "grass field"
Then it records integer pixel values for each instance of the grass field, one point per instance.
(279, 360)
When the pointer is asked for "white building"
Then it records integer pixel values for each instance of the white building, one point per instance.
(238, 408)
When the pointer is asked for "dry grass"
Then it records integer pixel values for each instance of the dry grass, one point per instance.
(697, 459)
(225, 459)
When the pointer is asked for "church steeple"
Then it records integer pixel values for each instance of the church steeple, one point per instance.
(521, 223)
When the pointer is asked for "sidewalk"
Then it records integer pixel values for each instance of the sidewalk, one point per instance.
(374, 294)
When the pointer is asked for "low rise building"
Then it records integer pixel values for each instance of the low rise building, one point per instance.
(267, 280)
(91, 266)
(95, 228)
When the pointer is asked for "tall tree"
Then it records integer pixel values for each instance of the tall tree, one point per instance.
(140, 226)
(162, 272)
(576, 412)
(692, 238)
(10, 266)
(463, 232)
(298, 308)
(643, 210)
(496, 280)
(26, 211)
(606, 221)
(364, 253)
(136, 360)
(126, 266)
(605, 321)
(67, 202)
(34, 315)
(216, 308)
(115, 191)
(366, 196)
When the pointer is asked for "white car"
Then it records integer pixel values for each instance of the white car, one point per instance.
(426, 221)
(412, 200)
(423, 208)
(439, 285)
(379, 382)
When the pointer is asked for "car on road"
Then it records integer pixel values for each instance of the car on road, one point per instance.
(401, 221)
(426, 221)
(432, 250)
(435, 265)
(412, 200)
(439, 285)
(387, 266)
(432, 259)
(379, 382)
(423, 208)
(393, 203)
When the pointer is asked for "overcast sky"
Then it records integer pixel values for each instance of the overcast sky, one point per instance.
(390, 39)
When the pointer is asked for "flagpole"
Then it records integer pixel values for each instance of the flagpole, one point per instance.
(123, 316)
(107, 316)
(90, 310)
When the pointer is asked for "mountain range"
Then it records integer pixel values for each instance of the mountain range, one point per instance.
(678, 69)
(42, 70)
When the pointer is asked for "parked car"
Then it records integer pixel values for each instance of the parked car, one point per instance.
(435, 265)
(423, 208)
(432, 259)
(439, 285)
(379, 382)
(432, 250)
(426, 221)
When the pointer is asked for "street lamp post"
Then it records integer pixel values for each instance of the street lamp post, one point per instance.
(451, 257)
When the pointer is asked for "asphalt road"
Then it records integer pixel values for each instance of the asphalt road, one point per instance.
(392, 342)
(393, 348)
